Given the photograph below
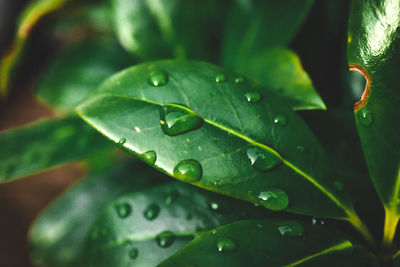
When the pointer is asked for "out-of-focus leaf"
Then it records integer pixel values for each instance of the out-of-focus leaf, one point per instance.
(57, 237)
(255, 25)
(280, 70)
(46, 144)
(79, 69)
(28, 19)
(373, 45)
(146, 227)
(198, 123)
(271, 243)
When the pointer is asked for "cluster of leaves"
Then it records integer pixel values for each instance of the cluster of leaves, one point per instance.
(278, 189)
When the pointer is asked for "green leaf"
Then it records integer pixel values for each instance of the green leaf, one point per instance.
(57, 237)
(271, 243)
(27, 20)
(213, 137)
(153, 29)
(45, 144)
(146, 227)
(280, 70)
(253, 26)
(77, 70)
(373, 42)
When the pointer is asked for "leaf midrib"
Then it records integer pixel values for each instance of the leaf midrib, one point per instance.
(309, 178)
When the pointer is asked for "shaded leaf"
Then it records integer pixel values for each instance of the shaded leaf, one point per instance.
(212, 135)
(373, 42)
(271, 243)
(146, 227)
(57, 236)
(46, 144)
(77, 70)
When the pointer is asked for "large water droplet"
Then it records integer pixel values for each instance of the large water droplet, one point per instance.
(225, 245)
(177, 120)
(121, 141)
(133, 253)
(290, 228)
(262, 159)
(123, 210)
(253, 97)
(151, 212)
(220, 78)
(188, 170)
(280, 120)
(366, 117)
(149, 157)
(165, 239)
(158, 78)
(274, 199)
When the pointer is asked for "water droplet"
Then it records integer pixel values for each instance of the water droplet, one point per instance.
(177, 120)
(262, 159)
(165, 239)
(133, 253)
(225, 245)
(274, 199)
(123, 210)
(171, 198)
(220, 78)
(149, 157)
(317, 221)
(338, 185)
(290, 228)
(280, 120)
(121, 141)
(137, 129)
(300, 148)
(220, 205)
(253, 97)
(158, 78)
(188, 170)
(151, 212)
(366, 117)
(239, 80)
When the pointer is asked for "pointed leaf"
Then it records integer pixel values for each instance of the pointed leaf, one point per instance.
(77, 70)
(280, 70)
(271, 243)
(208, 133)
(57, 237)
(373, 41)
(46, 144)
(145, 228)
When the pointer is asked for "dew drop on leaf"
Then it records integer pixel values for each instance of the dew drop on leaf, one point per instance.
(151, 212)
(188, 170)
(366, 117)
(239, 80)
(280, 120)
(121, 141)
(220, 78)
(123, 210)
(225, 245)
(291, 229)
(165, 239)
(158, 78)
(317, 221)
(252, 97)
(175, 120)
(133, 253)
(171, 198)
(220, 205)
(262, 159)
(149, 157)
(274, 199)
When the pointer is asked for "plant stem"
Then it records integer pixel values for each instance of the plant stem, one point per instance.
(361, 227)
(389, 230)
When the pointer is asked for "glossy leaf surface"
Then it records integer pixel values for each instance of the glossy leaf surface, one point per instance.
(57, 237)
(271, 243)
(253, 26)
(46, 144)
(373, 44)
(280, 70)
(146, 227)
(162, 28)
(239, 148)
(79, 69)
